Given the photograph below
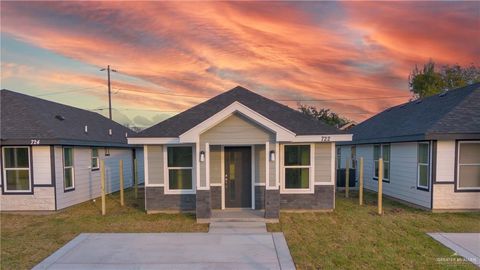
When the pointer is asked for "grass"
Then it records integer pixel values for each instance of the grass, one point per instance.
(354, 237)
(351, 237)
(27, 239)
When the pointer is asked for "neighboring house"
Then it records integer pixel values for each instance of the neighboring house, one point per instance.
(50, 154)
(239, 150)
(348, 126)
(430, 148)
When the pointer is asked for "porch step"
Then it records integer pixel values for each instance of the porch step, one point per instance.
(237, 227)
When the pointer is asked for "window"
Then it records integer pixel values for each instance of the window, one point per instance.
(68, 171)
(180, 168)
(95, 160)
(353, 156)
(339, 157)
(297, 163)
(16, 169)
(423, 165)
(384, 152)
(468, 170)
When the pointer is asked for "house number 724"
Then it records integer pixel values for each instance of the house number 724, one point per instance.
(34, 142)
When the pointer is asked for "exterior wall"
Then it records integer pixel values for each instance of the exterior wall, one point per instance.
(345, 154)
(140, 165)
(236, 129)
(259, 197)
(215, 164)
(445, 198)
(403, 173)
(260, 164)
(323, 198)
(444, 195)
(157, 200)
(323, 163)
(216, 197)
(155, 164)
(43, 197)
(87, 181)
(445, 161)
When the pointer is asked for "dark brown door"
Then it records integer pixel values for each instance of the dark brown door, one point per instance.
(238, 177)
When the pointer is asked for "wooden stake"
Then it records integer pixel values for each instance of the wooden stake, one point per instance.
(347, 177)
(102, 173)
(135, 178)
(380, 184)
(122, 201)
(360, 188)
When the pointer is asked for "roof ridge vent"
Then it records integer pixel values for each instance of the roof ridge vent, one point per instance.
(59, 117)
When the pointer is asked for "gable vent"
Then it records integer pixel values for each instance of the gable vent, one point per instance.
(59, 117)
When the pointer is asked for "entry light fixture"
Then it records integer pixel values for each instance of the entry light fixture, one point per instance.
(202, 156)
(272, 155)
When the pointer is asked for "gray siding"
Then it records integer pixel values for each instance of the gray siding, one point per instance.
(140, 165)
(273, 166)
(155, 164)
(260, 164)
(323, 161)
(215, 164)
(403, 173)
(236, 129)
(42, 174)
(87, 182)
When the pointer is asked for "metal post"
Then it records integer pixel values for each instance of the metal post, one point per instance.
(135, 178)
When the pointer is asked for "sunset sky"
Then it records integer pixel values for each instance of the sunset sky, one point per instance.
(352, 57)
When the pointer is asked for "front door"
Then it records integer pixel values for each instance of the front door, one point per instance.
(238, 177)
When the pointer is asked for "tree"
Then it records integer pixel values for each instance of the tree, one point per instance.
(431, 81)
(325, 115)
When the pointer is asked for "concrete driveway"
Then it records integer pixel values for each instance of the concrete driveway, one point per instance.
(172, 251)
(466, 245)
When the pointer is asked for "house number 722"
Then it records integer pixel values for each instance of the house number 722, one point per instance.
(34, 142)
(325, 138)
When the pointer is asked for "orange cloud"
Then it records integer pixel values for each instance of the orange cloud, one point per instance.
(285, 51)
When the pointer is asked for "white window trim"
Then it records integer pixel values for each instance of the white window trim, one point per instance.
(16, 169)
(311, 167)
(97, 158)
(429, 165)
(166, 170)
(385, 179)
(69, 167)
(466, 164)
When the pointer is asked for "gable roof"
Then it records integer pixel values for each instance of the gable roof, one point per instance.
(24, 118)
(282, 115)
(452, 115)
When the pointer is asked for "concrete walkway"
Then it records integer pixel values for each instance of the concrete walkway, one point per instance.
(466, 245)
(228, 245)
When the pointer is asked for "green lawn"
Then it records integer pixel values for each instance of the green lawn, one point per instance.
(28, 239)
(354, 237)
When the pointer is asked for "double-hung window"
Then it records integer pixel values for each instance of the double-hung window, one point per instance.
(68, 169)
(180, 169)
(468, 170)
(423, 166)
(95, 159)
(382, 151)
(16, 169)
(297, 168)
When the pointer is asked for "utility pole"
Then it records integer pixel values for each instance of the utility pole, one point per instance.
(109, 90)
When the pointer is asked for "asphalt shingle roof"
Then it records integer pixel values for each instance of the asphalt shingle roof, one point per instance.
(454, 112)
(24, 117)
(289, 118)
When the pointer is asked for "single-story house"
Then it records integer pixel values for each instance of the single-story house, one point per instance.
(50, 154)
(430, 148)
(239, 150)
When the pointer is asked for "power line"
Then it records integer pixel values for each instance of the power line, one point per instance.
(67, 91)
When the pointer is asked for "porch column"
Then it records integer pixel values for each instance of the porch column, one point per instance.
(272, 191)
(203, 198)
